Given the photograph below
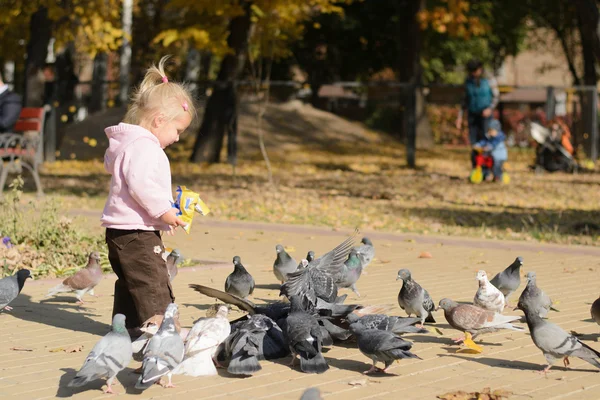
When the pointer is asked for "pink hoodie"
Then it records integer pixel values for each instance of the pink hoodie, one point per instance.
(140, 188)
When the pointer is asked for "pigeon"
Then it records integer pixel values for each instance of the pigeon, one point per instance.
(202, 343)
(149, 329)
(310, 256)
(554, 342)
(163, 353)
(366, 252)
(173, 260)
(413, 299)
(383, 322)
(11, 286)
(488, 296)
(251, 340)
(508, 281)
(284, 264)
(316, 281)
(475, 320)
(305, 339)
(595, 311)
(382, 346)
(311, 394)
(350, 272)
(239, 282)
(537, 299)
(109, 356)
(83, 281)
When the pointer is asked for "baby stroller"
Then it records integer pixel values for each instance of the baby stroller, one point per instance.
(555, 150)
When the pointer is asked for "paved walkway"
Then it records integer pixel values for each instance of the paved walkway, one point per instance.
(570, 275)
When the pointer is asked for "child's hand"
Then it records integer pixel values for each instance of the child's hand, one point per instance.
(170, 218)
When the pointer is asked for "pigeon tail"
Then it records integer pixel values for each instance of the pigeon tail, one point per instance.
(510, 326)
(60, 288)
(153, 369)
(314, 365)
(430, 318)
(399, 354)
(200, 364)
(244, 365)
(409, 329)
(80, 380)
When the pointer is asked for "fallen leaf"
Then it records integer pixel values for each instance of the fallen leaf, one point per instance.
(425, 254)
(76, 348)
(358, 382)
(56, 350)
(570, 270)
(290, 249)
(20, 349)
(385, 261)
(485, 394)
(575, 333)
(434, 329)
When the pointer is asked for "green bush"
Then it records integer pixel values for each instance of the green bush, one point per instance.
(40, 237)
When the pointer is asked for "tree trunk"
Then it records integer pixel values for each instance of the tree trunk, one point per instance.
(221, 111)
(589, 25)
(40, 32)
(590, 78)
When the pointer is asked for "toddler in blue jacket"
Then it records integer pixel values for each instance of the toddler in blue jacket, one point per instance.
(493, 144)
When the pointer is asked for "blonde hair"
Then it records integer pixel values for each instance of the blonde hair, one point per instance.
(157, 94)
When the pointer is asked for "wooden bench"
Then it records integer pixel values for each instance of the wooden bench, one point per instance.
(24, 147)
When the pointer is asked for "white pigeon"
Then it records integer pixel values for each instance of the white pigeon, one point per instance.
(488, 296)
(150, 327)
(202, 343)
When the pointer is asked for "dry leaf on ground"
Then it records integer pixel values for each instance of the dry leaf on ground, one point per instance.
(69, 349)
(485, 394)
(425, 254)
(358, 382)
(20, 349)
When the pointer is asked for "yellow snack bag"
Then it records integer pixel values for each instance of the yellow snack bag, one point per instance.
(188, 202)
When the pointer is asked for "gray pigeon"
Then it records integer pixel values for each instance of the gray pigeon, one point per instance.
(83, 281)
(305, 338)
(475, 320)
(310, 256)
(163, 353)
(311, 394)
(257, 338)
(414, 299)
(317, 280)
(397, 325)
(109, 356)
(535, 297)
(173, 260)
(382, 346)
(284, 264)
(554, 342)
(239, 282)
(508, 281)
(366, 251)
(595, 311)
(11, 286)
(350, 272)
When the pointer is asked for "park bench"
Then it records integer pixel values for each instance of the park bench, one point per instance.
(24, 147)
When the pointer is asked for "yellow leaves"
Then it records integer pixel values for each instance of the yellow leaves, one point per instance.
(198, 36)
(453, 20)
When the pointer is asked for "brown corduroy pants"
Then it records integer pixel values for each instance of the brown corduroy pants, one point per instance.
(142, 289)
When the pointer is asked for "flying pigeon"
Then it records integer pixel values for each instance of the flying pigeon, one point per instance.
(350, 272)
(173, 260)
(251, 340)
(554, 342)
(475, 320)
(380, 346)
(413, 299)
(508, 281)
(488, 296)
(11, 286)
(366, 251)
(305, 338)
(284, 264)
(109, 356)
(163, 353)
(535, 297)
(239, 282)
(202, 343)
(397, 325)
(316, 280)
(83, 281)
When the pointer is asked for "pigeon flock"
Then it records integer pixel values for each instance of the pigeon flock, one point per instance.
(310, 316)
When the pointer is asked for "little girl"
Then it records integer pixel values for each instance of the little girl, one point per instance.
(139, 204)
